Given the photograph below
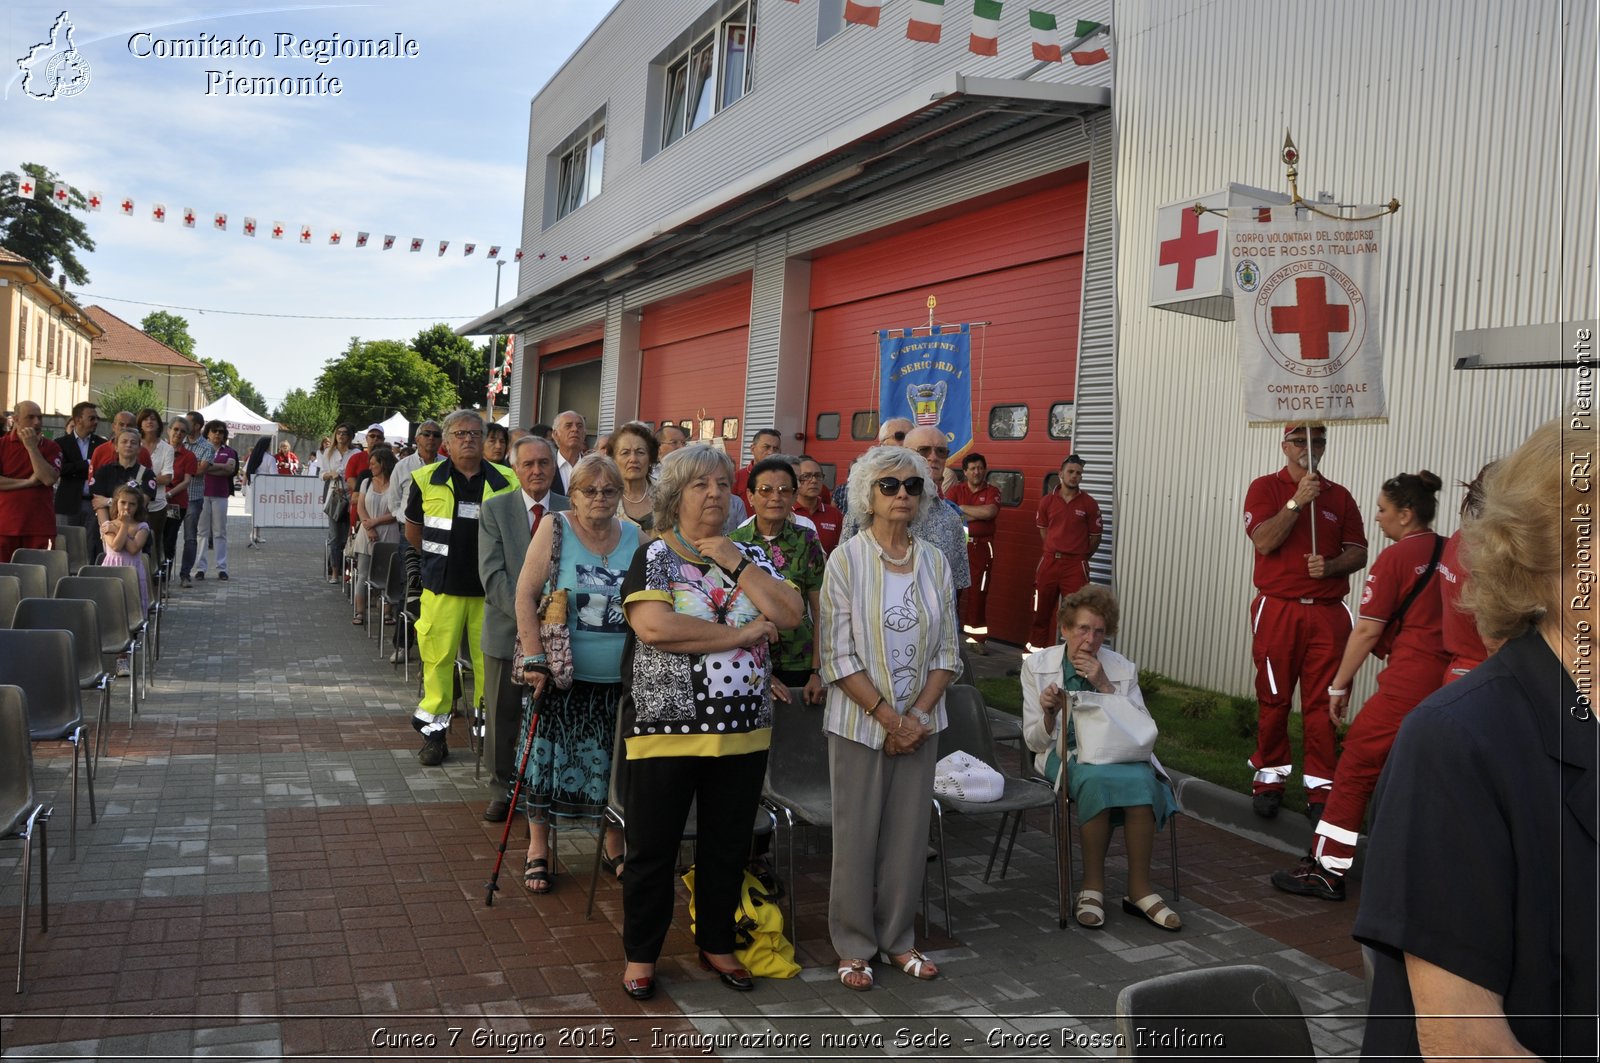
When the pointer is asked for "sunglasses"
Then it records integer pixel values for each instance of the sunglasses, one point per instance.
(429, 435)
(889, 486)
(767, 490)
(898, 437)
(928, 452)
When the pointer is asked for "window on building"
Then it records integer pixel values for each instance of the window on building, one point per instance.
(1008, 422)
(864, 424)
(22, 335)
(830, 474)
(708, 430)
(150, 383)
(711, 71)
(580, 169)
(1052, 480)
(1009, 483)
(730, 428)
(1061, 421)
(827, 426)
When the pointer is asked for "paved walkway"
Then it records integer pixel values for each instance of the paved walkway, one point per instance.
(274, 876)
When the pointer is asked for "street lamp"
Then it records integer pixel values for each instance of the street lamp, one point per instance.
(499, 264)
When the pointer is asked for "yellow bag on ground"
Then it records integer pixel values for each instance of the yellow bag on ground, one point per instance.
(758, 938)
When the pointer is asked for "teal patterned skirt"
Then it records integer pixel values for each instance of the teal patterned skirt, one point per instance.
(569, 769)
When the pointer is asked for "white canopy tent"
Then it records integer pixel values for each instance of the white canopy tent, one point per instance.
(397, 429)
(240, 419)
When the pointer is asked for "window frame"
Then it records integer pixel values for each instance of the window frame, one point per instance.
(578, 182)
(817, 424)
(1005, 474)
(872, 432)
(682, 109)
(1027, 421)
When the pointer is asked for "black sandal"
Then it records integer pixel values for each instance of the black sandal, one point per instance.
(536, 876)
(613, 864)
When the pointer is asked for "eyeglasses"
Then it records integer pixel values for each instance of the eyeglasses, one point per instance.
(602, 494)
(466, 435)
(764, 490)
(928, 452)
(889, 486)
(1300, 444)
(810, 477)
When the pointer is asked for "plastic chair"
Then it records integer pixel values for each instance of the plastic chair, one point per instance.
(81, 618)
(377, 578)
(10, 595)
(969, 732)
(139, 621)
(798, 784)
(21, 811)
(30, 578)
(42, 664)
(1250, 1009)
(74, 539)
(54, 563)
(394, 597)
(111, 609)
(766, 822)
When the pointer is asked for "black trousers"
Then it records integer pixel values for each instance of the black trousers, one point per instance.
(657, 792)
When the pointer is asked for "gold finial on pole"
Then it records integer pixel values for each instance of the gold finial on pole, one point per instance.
(932, 302)
(1291, 159)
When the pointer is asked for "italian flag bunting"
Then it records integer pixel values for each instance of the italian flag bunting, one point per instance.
(985, 39)
(927, 21)
(1098, 55)
(1046, 41)
(862, 12)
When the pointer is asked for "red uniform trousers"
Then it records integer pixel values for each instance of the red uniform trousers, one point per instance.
(1295, 642)
(974, 601)
(1058, 575)
(1458, 667)
(10, 544)
(1366, 749)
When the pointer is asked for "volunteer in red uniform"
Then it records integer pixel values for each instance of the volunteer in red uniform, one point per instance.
(1298, 619)
(1401, 615)
(30, 465)
(1461, 639)
(810, 502)
(765, 443)
(1069, 523)
(980, 505)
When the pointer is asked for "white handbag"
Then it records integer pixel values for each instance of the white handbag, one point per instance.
(1111, 729)
(964, 777)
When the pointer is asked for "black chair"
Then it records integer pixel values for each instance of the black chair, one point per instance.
(81, 618)
(394, 597)
(10, 595)
(111, 609)
(798, 783)
(968, 731)
(30, 578)
(1250, 1009)
(54, 563)
(766, 822)
(42, 664)
(21, 811)
(139, 621)
(74, 539)
(377, 579)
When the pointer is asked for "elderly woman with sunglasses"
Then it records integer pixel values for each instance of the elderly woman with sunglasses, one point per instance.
(889, 650)
(697, 712)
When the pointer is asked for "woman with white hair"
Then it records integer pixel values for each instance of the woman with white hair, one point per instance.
(888, 634)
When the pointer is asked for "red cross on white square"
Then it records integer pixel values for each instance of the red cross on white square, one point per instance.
(305, 234)
(160, 213)
(277, 231)
(61, 193)
(1313, 319)
(1187, 248)
(127, 206)
(26, 187)
(188, 217)
(250, 226)
(220, 221)
(94, 201)
(416, 244)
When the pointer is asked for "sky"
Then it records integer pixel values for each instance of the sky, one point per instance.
(431, 145)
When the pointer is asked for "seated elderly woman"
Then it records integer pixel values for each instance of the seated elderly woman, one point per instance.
(696, 712)
(1138, 796)
(889, 650)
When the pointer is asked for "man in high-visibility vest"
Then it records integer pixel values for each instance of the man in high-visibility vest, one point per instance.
(442, 515)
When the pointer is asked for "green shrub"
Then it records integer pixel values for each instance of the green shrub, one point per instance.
(1200, 705)
(1151, 682)
(1246, 716)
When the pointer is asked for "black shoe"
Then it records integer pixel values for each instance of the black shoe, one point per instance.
(200, 576)
(434, 751)
(1267, 803)
(185, 581)
(640, 988)
(222, 576)
(1314, 813)
(497, 811)
(736, 978)
(1310, 879)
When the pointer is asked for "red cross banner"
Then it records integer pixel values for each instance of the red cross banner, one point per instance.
(1190, 251)
(1307, 299)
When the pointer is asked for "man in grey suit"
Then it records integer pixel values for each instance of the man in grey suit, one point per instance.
(504, 530)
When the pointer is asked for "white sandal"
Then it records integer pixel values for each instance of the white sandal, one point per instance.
(1154, 909)
(855, 967)
(916, 965)
(1090, 910)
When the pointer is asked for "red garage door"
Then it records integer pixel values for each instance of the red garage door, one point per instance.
(1017, 264)
(694, 352)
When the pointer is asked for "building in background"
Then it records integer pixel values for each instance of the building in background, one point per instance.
(45, 339)
(126, 354)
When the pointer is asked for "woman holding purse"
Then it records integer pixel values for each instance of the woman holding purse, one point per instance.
(1138, 796)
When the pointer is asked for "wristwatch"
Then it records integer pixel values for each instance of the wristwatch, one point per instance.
(1292, 506)
(921, 717)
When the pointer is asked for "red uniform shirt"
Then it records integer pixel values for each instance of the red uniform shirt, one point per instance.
(358, 463)
(1068, 525)
(28, 510)
(183, 464)
(1389, 582)
(962, 495)
(106, 453)
(828, 519)
(1282, 573)
(1460, 630)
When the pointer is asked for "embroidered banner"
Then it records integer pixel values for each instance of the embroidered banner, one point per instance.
(928, 380)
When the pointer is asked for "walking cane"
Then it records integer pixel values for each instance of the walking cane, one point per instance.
(516, 789)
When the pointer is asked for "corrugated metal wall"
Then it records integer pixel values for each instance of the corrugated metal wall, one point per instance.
(1094, 432)
(1479, 116)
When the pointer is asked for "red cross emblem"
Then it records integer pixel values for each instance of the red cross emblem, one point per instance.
(333, 238)
(361, 239)
(494, 252)
(467, 250)
(1313, 319)
(277, 231)
(305, 235)
(94, 202)
(563, 257)
(127, 206)
(61, 193)
(250, 228)
(416, 244)
(160, 213)
(26, 188)
(188, 217)
(388, 242)
(220, 221)
(1188, 248)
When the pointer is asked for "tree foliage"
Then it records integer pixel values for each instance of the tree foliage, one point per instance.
(169, 329)
(130, 395)
(308, 415)
(461, 361)
(375, 378)
(223, 378)
(40, 231)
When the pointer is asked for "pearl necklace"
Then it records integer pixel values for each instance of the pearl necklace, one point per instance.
(911, 546)
(636, 501)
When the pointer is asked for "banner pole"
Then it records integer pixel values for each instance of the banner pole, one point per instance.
(1311, 461)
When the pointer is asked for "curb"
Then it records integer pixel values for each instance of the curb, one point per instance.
(1289, 832)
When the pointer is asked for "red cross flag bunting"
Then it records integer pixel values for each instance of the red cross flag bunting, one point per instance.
(305, 234)
(416, 243)
(220, 221)
(249, 226)
(1307, 302)
(95, 201)
(61, 193)
(26, 187)
(159, 212)
(127, 207)
(388, 242)
(188, 217)
(361, 239)
(277, 230)
(335, 237)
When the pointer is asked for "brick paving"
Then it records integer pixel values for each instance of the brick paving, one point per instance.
(274, 876)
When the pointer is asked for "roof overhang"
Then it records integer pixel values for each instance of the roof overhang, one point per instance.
(26, 275)
(1562, 345)
(938, 125)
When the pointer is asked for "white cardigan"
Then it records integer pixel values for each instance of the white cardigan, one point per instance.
(1043, 668)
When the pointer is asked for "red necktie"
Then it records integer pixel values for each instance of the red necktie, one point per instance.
(537, 515)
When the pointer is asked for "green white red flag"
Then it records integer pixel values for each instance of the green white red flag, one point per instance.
(926, 22)
(1046, 38)
(862, 12)
(985, 35)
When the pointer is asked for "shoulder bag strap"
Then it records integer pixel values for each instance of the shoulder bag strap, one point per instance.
(1422, 581)
(556, 535)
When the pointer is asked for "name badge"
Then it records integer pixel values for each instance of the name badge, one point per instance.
(467, 510)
